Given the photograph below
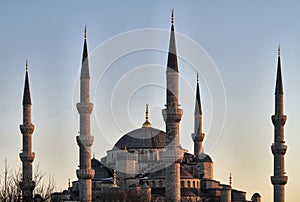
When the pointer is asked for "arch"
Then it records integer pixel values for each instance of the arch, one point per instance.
(189, 184)
(160, 183)
(153, 183)
(182, 184)
(194, 184)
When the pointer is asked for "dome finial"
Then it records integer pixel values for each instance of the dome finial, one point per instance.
(69, 182)
(147, 124)
(230, 179)
(172, 17)
(115, 179)
(197, 77)
(279, 50)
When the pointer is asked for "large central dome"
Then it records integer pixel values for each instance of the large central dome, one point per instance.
(142, 138)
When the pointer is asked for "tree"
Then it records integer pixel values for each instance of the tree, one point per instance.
(10, 190)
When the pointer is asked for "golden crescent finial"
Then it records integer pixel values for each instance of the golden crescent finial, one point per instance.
(147, 124)
(147, 113)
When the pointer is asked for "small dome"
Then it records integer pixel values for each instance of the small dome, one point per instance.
(142, 138)
(205, 158)
(256, 195)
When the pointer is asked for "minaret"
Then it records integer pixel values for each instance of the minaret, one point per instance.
(85, 173)
(198, 136)
(172, 116)
(27, 156)
(279, 179)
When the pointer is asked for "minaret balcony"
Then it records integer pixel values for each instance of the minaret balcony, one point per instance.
(27, 128)
(199, 137)
(27, 185)
(279, 120)
(172, 113)
(85, 141)
(27, 157)
(84, 107)
(279, 180)
(85, 173)
(279, 148)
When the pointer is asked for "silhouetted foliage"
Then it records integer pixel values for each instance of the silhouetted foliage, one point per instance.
(10, 190)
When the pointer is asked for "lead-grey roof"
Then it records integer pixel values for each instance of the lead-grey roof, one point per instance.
(142, 138)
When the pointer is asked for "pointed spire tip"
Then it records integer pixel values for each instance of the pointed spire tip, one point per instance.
(85, 32)
(279, 50)
(172, 18)
(197, 77)
(26, 68)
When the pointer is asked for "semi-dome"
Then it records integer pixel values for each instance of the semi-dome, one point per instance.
(146, 137)
(101, 172)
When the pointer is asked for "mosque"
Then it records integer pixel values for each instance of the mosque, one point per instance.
(148, 164)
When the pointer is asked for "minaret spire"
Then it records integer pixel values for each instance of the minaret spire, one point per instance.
(172, 116)
(198, 135)
(85, 140)
(172, 56)
(279, 179)
(26, 94)
(279, 86)
(27, 156)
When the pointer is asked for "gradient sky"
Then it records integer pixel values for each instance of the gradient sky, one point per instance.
(241, 38)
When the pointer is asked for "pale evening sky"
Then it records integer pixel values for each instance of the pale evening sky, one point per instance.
(240, 37)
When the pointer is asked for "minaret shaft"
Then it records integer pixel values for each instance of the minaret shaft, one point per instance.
(279, 179)
(172, 116)
(27, 156)
(85, 173)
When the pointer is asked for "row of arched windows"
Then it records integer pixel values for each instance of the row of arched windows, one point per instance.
(184, 183)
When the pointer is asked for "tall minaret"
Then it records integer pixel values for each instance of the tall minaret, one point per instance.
(85, 173)
(27, 156)
(198, 136)
(172, 116)
(279, 179)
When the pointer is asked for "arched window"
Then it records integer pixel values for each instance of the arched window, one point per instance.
(194, 185)
(189, 184)
(160, 183)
